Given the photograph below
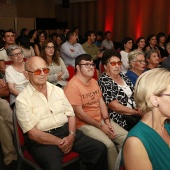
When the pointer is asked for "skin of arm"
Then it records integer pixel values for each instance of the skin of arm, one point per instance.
(116, 106)
(36, 49)
(135, 155)
(12, 89)
(2, 67)
(4, 91)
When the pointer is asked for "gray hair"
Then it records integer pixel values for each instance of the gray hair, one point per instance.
(11, 48)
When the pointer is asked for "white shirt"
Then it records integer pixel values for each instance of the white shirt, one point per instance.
(125, 61)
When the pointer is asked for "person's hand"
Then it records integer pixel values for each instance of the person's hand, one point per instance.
(66, 144)
(2, 83)
(59, 74)
(138, 111)
(100, 55)
(72, 50)
(108, 130)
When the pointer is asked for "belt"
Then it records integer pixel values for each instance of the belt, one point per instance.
(51, 130)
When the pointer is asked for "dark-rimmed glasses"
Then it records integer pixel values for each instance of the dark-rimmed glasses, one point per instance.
(50, 47)
(165, 94)
(88, 65)
(113, 63)
(39, 71)
(16, 54)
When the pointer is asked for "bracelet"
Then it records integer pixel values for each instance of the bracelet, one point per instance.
(72, 133)
(106, 119)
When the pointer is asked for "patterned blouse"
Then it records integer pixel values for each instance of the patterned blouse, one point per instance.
(112, 91)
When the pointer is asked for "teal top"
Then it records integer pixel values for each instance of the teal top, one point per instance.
(157, 149)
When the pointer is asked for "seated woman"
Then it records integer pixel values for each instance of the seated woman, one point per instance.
(14, 73)
(58, 74)
(137, 65)
(140, 43)
(152, 59)
(148, 144)
(117, 91)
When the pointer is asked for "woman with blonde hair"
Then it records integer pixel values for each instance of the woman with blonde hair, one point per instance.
(148, 144)
(137, 65)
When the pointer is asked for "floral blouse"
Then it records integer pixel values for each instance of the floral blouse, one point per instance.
(112, 91)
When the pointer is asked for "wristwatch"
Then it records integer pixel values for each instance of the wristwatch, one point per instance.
(72, 133)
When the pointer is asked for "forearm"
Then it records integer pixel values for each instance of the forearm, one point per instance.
(14, 91)
(103, 109)
(72, 123)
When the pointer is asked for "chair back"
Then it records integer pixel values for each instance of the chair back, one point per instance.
(71, 71)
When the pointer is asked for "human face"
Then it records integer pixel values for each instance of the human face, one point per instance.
(86, 71)
(162, 39)
(37, 80)
(58, 41)
(153, 40)
(17, 56)
(108, 36)
(49, 49)
(128, 45)
(74, 38)
(154, 59)
(141, 43)
(9, 38)
(92, 37)
(42, 38)
(168, 49)
(113, 70)
(139, 63)
(35, 35)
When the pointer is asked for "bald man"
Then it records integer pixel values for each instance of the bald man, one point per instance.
(48, 121)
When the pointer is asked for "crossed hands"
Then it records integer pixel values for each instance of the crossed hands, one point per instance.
(108, 130)
(66, 144)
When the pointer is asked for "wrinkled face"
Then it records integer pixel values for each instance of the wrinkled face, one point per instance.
(153, 40)
(113, 66)
(141, 43)
(86, 68)
(154, 58)
(139, 63)
(17, 56)
(49, 49)
(9, 38)
(92, 37)
(128, 45)
(37, 80)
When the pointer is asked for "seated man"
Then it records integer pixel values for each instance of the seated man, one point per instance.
(6, 129)
(48, 121)
(85, 96)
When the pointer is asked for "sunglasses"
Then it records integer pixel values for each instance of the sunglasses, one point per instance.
(113, 63)
(39, 71)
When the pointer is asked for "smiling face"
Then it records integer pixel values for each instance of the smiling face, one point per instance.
(17, 56)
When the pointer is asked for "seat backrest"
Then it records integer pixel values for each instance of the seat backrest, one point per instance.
(71, 71)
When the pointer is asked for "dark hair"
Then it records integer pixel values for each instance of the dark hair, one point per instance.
(125, 40)
(108, 54)
(31, 33)
(69, 34)
(85, 57)
(25, 41)
(42, 32)
(10, 30)
(87, 34)
(100, 33)
(149, 37)
(55, 59)
(22, 32)
(159, 35)
(107, 33)
(140, 38)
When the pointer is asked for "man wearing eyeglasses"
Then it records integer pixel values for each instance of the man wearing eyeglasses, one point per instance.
(85, 96)
(48, 121)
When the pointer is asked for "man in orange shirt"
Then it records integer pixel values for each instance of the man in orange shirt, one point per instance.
(85, 96)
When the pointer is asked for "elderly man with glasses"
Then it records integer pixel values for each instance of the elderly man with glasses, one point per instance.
(48, 121)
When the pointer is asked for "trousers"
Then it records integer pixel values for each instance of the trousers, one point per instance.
(49, 157)
(113, 146)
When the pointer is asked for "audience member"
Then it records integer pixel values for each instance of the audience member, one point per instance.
(137, 65)
(127, 45)
(8, 38)
(48, 122)
(91, 48)
(58, 73)
(152, 59)
(99, 39)
(79, 37)
(71, 49)
(161, 38)
(59, 42)
(118, 92)
(42, 36)
(140, 43)
(23, 32)
(107, 43)
(148, 144)
(27, 50)
(14, 73)
(66, 30)
(90, 109)
(6, 129)
(168, 48)
(33, 37)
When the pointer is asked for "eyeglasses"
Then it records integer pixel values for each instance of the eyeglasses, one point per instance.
(140, 61)
(88, 65)
(50, 47)
(39, 71)
(16, 54)
(113, 63)
(165, 94)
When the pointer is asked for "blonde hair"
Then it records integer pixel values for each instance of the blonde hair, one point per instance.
(132, 56)
(151, 82)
